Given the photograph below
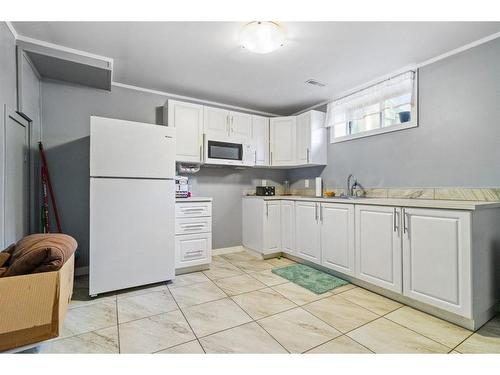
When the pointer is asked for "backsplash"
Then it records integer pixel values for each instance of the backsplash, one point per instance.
(467, 194)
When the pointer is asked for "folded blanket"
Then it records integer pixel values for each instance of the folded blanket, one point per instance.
(39, 253)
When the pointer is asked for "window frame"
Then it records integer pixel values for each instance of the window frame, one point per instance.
(413, 123)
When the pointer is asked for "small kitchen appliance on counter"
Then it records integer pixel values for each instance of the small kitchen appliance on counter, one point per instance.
(182, 187)
(265, 190)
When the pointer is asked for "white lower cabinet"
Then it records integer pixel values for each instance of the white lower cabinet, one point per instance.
(337, 237)
(378, 246)
(307, 240)
(288, 227)
(261, 225)
(272, 227)
(437, 258)
(193, 234)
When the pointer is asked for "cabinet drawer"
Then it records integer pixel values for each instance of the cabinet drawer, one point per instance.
(193, 249)
(193, 225)
(195, 209)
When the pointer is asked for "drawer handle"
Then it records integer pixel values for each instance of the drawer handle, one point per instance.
(192, 225)
(193, 209)
(191, 254)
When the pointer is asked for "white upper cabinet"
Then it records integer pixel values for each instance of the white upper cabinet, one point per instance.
(311, 139)
(187, 119)
(260, 138)
(282, 141)
(216, 122)
(307, 240)
(378, 246)
(240, 126)
(437, 258)
(337, 237)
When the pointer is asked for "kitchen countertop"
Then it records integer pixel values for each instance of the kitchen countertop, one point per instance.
(399, 202)
(193, 199)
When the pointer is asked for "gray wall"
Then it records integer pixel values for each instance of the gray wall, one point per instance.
(457, 142)
(66, 111)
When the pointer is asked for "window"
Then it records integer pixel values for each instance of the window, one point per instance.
(384, 107)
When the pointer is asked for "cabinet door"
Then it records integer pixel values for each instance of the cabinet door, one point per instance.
(378, 246)
(307, 229)
(216, 122)
(436, 258)
(193, 250)
(303, 138)
(272, 227)
(187, 118)
(288, 227)
(260, 136)
(282, 140)
(337, 237)
(240, 126)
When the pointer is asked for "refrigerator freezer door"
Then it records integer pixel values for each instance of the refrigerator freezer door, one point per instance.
(121, 148)
(131, 233)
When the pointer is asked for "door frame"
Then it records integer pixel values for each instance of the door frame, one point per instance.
(23, 121)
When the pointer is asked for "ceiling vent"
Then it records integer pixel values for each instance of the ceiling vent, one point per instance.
(315, 83)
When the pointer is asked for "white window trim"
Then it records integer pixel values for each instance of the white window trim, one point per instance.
(413, 123)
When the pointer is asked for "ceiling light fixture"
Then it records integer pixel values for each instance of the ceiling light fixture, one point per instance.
(262, 36)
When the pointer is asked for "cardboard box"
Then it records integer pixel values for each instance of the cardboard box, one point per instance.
(33, 307)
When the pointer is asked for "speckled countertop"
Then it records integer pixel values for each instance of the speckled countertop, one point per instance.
(399, 202)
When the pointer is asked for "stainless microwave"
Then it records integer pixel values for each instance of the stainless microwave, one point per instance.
(228, 151)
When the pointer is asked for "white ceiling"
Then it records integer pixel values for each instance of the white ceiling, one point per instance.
(204, 60)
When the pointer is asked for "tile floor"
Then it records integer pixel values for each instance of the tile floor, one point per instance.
(240, 306)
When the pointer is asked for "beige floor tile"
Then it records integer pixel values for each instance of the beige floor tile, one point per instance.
(342, 289)
(280, 262)
(247, 338)
(155, 333)
(81, 298)
(268, 277)
(298, 330)
(485, 340)
(439, 330)
(384, 336)
(144, 305)
(191, 347)
(215, 316)
(340, 345)
(253, 265)
(222, 270)
(188, 279)
(340, 313)
(298, 294)
(371, 301)
(239, 284)
(239, 257)
(262, 303)
(195, 294)
(101, 341)
(159, 287)
(89, 318)
(218, 260)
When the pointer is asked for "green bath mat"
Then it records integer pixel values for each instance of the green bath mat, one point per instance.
(309, 278)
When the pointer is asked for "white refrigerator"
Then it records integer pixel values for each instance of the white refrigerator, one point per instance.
(132, 204)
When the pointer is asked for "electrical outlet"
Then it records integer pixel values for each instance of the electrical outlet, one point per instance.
(306, 183)
(264, 183)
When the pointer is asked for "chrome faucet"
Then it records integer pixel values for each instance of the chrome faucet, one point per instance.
(350, 188)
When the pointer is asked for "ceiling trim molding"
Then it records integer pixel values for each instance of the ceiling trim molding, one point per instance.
(409, 67)
(189, 98)
(10, 26)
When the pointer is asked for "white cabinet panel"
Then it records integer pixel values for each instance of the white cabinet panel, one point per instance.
(337, 237)
(282, 140)
(260, 137)
(311, 139)
(307, 228)
(303, 138)
(187, 119)
(216, 122)
(436, 253)
(193, 225)
(378, 246)
(193, 250)
(288, 227)
(193, 209)
(272, 227)
(241, 126)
